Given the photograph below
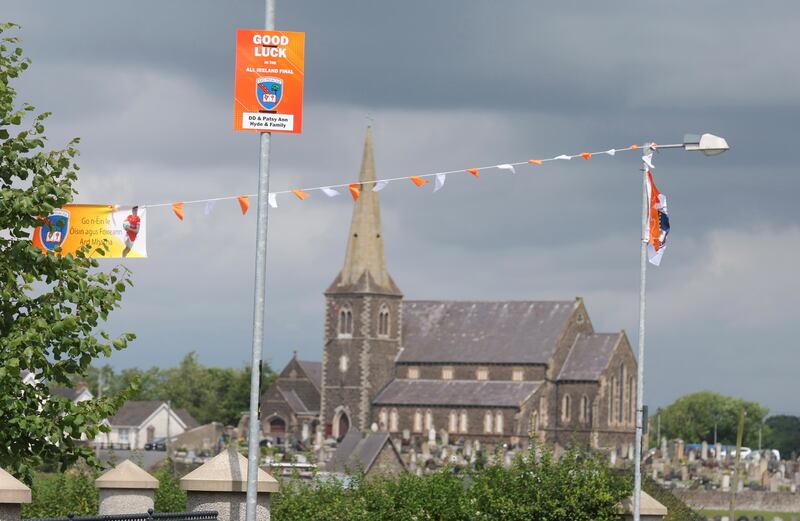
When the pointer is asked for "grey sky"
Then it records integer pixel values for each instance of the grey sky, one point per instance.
(148, 87)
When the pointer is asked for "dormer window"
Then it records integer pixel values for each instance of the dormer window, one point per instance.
(447, 373)
(383, 321)
(482, 373)
(517, 374)
(345, 322)
(413, 372)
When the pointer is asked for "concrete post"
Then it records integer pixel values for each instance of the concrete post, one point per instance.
(13, 493)
(221, 485)
(650, 509)
(126, 489)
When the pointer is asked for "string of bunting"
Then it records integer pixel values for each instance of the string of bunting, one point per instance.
(355, 189)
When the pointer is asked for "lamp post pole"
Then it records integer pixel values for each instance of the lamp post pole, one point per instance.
(260, 296)
(637, 461)
(710, 145)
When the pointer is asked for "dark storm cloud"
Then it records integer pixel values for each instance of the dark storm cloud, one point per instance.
(147, 86)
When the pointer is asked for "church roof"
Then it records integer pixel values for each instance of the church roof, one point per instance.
(364, 268)
(296, 403)
(356, 452)
(589, 356)
(456, 393)
(313, 370)
(517, 332)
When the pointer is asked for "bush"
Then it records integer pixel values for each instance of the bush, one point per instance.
(70, 492)
(168, 497)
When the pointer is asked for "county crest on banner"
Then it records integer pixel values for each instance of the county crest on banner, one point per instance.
(55, 229)
(269, 91)
(657, 228)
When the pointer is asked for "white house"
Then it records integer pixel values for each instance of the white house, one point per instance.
(143, 421)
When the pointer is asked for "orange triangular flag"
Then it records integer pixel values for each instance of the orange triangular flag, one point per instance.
(474, 171)
(417, 180)
(178, 209)
(300, 194)
(586, 155)
(535, 161)
(355, 191)
(244, 203)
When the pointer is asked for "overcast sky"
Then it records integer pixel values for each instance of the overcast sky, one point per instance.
(148, 87)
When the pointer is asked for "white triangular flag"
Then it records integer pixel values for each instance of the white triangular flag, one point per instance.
(380, 185)
(330, 192)
(507, 167)
(272, 199)
(439, 182)
(610, 152)
(209, 207)
(648, 160)
(563, 156)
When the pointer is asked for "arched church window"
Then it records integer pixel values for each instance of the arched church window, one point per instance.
(383, 321)
(585, 411)
(345, 321)
(498, 422)
(566, 406)
(631, 401)
(464, 421)
(393, 421)
(417, 421)
(428, 420)
(534, 422)
(452, 426)
(383, 419)
(487, 422)
(344, 363)
(621, 394)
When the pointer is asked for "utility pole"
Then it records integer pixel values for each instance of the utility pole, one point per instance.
(259, 304)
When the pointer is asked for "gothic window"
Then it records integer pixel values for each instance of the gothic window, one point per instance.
(383, 321)
(345, 322)
(631, 401)
(498, 422)
(463, 423)
(383, 422)
(482, 373)
(428, 420)
(453, 424)
(447, 373)
(487, 422)
(566, 406)
(344, 363)
(584, 412)
(621, 394)
(517, 374)
(413, 372)
(417, 421)
(393, 421)
(534, 422)
(612, 400)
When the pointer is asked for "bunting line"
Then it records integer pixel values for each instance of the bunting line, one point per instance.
(355, 189)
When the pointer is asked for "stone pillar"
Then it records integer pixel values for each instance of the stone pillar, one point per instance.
(221, 485)
(649, 509)
(13, 493)
(126, 489)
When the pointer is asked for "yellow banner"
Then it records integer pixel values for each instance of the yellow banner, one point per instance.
(76, 225)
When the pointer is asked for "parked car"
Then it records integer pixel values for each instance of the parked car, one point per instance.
(157, 444)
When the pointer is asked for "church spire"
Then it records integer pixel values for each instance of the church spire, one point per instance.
(364, 268)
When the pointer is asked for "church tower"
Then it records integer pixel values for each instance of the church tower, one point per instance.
(362, 317)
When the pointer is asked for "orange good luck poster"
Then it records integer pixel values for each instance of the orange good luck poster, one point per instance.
(268, 86)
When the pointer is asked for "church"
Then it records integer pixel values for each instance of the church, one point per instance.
(493, 371)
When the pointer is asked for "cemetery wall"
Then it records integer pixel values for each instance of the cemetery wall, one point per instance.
(745, 500)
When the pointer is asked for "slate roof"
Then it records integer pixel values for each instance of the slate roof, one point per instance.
(134, 412)
(521, 332)
(588, 356)
(295, 402)
(313, 370)
(356, 452)
(456, 393)
(65, 392)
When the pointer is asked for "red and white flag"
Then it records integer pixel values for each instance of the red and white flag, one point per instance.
(657, 222)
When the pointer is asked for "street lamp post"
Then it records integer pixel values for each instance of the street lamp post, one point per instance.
(710, 145)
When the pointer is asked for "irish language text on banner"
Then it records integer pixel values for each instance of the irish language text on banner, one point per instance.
(268, 90)
(76, 225)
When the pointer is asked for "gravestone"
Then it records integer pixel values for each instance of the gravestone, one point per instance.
(726, 482)
(704, 451)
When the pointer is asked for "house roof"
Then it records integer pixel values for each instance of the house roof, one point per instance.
(517, 332)
(356, 452)
(65, 392)
(313, 370)
(134, 412)
(589, 356)
(295, 402)
(454, 393)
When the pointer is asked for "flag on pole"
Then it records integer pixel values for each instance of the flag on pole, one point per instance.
(657, 222)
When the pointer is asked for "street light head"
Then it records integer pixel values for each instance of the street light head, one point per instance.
(708, 144)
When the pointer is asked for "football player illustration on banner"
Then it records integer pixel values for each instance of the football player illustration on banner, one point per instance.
(131, 227)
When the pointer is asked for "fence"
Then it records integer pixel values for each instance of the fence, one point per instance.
(147, 516)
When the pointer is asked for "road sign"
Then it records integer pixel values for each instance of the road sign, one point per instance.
(268, 91)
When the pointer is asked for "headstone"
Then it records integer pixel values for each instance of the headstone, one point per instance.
(718, 451)
(125, 489)
(679, 446)
(426, 450)
(373, 427)
(468, 449)
(684, 473)
(445, 437)
(613, 457)
(691, 456)
(704, 451)
(431, 435)
(476, 446)
(726, 482)
(13, 493)
(406, 434)
(664, 453)
(221, 485)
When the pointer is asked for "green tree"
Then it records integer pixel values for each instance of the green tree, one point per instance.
(784, 435)
(50, 305)
(692, 417)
